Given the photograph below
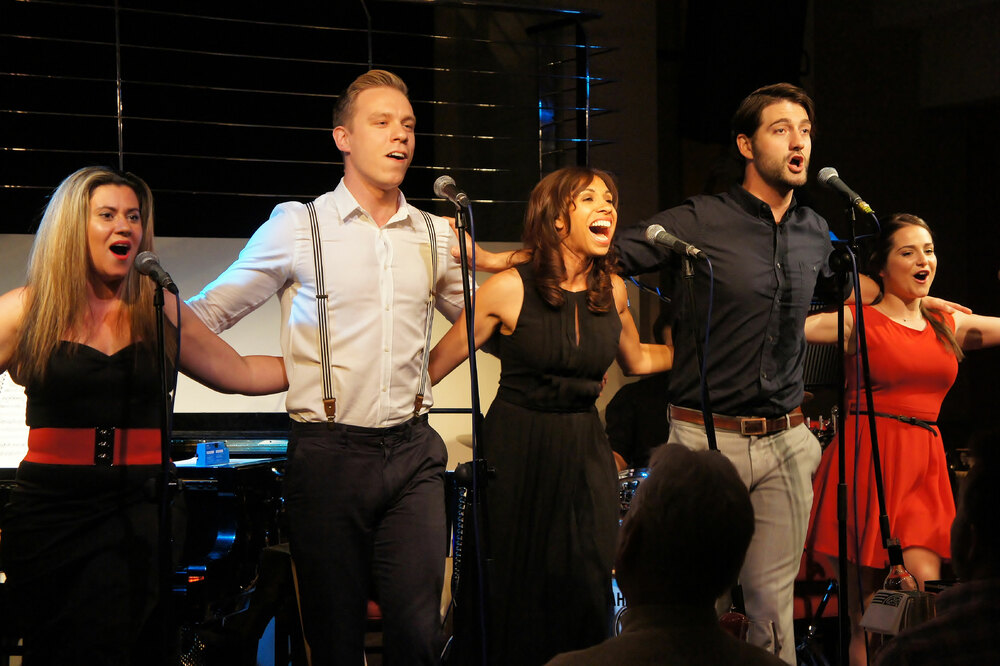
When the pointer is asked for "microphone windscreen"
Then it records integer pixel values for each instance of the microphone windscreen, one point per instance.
(826, 173)
(441, 183)
(652, 231)
(144, 261)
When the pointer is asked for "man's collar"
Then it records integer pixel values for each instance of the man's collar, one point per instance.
(756, 207)
(349, 208)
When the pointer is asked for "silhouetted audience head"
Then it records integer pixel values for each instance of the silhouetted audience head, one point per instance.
(975, 534)
(687, 530)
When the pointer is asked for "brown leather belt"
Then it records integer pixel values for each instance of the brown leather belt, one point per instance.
(744, 425)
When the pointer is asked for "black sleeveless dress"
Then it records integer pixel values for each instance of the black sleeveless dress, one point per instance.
(79, 542)
(552, 509)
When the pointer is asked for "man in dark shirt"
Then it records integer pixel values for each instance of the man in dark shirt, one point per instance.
(769, 256)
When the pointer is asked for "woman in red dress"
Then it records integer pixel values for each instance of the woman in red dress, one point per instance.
(913, 359)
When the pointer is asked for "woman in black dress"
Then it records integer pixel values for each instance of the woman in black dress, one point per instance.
(79, 536)
(560, 320)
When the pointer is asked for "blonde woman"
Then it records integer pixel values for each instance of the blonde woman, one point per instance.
(80, 531)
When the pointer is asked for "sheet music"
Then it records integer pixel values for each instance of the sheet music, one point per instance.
(13, 431)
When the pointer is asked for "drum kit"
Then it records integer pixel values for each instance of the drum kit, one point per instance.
(628, 483)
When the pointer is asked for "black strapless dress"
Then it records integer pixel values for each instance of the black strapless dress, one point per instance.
(79, 543)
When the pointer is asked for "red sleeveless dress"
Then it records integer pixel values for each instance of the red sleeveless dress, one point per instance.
(911, 372)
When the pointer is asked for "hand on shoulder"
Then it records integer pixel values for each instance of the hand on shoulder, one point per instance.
(12, 307)
(950, 307)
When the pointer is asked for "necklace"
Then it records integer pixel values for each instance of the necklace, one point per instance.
(904, 319)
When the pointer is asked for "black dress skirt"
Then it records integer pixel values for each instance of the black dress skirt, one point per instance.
(552, 507)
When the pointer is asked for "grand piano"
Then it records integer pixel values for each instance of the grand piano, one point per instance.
(233, 575)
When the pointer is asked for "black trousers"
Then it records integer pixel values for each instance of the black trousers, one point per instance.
(80, 549)
(366, 518)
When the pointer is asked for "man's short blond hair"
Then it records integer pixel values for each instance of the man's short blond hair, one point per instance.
(343, 110)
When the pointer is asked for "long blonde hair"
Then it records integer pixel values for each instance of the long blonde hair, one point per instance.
(58, 268)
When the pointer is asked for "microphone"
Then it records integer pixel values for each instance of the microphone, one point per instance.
(659, 236)
(828, 176)
(148, 263)
(445, 187)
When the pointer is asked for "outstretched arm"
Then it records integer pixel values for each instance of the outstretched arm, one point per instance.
(498, 302)
(209, 360)
(821, 329)
(11, 312)
(634, 357)
(489, 262)
(869, 291)
(976, 331)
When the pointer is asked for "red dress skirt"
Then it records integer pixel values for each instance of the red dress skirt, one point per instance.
(911, 372)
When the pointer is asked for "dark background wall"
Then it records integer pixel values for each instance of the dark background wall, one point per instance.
(907, 95)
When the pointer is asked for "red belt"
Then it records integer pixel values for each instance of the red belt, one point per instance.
(94, 446)
(745, 425)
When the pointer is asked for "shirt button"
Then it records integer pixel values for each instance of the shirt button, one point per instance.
(778, 265)
(763, 374)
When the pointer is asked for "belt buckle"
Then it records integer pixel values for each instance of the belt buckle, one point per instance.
(753, 426)
(104, 446)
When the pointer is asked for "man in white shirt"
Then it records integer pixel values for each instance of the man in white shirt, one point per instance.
(364, 481)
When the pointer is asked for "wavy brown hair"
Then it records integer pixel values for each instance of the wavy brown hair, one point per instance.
(880, 257)
(552, 199)
(58, 266)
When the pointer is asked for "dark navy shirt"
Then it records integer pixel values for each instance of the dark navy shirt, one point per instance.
(765, 277)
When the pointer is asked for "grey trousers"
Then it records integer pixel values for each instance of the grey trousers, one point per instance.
(777, 470)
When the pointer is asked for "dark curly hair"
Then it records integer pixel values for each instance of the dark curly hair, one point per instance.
(551, 200)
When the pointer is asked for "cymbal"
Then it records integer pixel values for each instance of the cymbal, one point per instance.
(807, 397)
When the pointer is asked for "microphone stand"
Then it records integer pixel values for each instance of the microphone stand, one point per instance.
(472, 477)
(164, 491)
(842, 262)
(687, 271)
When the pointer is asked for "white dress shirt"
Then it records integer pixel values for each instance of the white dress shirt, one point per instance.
(377, 280)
